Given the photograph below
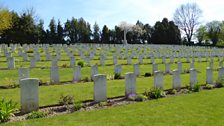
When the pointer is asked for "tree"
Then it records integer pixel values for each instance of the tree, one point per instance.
(105, 35)
(186, 17)
(214, 31)
(5, 20)
(148, 33)
(96, 33)
(41, 32)
(53, 34)
(166, 32)
(60, 33)
(201, 34)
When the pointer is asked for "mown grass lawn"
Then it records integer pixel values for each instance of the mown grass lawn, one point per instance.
(205, 108)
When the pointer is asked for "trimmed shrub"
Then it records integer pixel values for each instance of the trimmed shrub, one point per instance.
(80, 63)
(148, 75)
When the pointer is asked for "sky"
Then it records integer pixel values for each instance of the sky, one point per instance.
(112, 12)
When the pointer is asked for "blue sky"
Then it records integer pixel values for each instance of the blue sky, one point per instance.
(112, 12)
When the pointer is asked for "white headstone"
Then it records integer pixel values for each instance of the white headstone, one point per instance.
(179, 67)
(94, 71)
(11, 63)
(118, 69)
(176, 79)
(24, 73)
(136, 70)
(77, 74)
(221, 73)
(167, 68)
(100, 88)
(209, 76)
(158, 79)
(130, 84)
(193, 77)
(32, 62)
(54, 75)
(29, 94)
(154, 68)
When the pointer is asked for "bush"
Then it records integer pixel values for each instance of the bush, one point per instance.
(148, 75)
(6, 109)
(173, 91)
(78, 106)
(219, 83)
(86, 79)
(64, 65)
(36, 114)
(196, 88)
(155, 93)
(101, 104)
(80, 63)
(209, 86)
(65, 100)
(117, 76)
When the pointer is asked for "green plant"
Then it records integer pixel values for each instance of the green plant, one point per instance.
(141, 97)
(196, 88)
(36, 114)
(117, 76)
(80, 63)
(101, 104)
(64, 65)
(148, 75)
(209, 86)
(12, 83)
(155, 93)
(65, 100)
(86, 79)
(78, 105)
(173, 91)
(6, 109)
(219, 83)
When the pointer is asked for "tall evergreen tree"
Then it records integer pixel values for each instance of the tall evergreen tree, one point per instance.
(60, 33)
(53, 30)
(96, 33)
(105, 35)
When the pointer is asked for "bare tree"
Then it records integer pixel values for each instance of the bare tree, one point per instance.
(186, 17)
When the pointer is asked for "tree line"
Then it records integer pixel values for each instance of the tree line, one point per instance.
(23, 28)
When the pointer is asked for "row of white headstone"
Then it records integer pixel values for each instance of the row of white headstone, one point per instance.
(139, 51)
(55, 78)
(30, 96)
